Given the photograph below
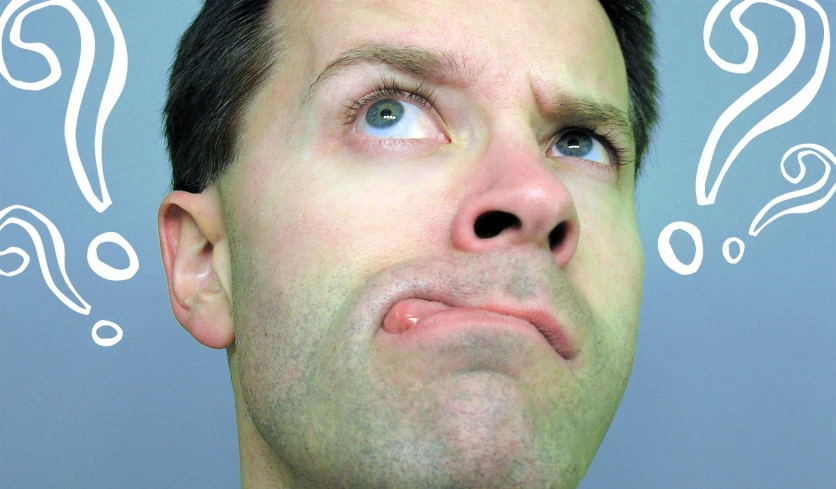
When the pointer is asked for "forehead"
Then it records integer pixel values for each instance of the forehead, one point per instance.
(568, 42)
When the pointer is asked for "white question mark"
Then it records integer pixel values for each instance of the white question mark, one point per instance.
(76, 302)
(113, 89)
(781, 115)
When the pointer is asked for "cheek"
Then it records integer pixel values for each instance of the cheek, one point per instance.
(608, 269)
(366, 223)
(328, 213)
(608, 265)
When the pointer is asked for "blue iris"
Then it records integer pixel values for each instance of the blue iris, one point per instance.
(385, 113)
(575, 143)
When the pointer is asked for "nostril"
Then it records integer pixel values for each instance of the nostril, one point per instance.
(490, 224)
(557, 235)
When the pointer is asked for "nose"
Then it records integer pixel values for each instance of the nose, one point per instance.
(515, 198)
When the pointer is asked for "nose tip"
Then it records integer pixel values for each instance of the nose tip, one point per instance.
(538, 211)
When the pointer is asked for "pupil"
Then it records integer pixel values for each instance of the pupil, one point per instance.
(575, 144)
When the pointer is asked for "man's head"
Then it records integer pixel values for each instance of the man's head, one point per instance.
(412, 225)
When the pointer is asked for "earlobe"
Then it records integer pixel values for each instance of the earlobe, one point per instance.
(196, 261)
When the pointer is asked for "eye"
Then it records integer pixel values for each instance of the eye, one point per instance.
(397, 119)
(581, 144)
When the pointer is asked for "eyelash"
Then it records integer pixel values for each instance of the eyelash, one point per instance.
(423, 96)
(388, 88)
(607, 138)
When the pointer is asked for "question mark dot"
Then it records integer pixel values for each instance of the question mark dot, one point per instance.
(106, 341)
(727, 253)
(669, 256)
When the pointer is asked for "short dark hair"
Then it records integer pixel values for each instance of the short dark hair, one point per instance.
(231, 47)
(632, 22)
(223, 58)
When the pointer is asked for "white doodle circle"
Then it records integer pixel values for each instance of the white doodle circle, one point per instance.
(669, 256)
(106, 341)
(14, 250)
(103, 269)
(727, 254)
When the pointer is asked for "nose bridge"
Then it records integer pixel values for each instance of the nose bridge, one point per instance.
(515, 198)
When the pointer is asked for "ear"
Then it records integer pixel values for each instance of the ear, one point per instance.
(195, 255)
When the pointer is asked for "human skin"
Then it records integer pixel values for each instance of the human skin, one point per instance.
(294, 256)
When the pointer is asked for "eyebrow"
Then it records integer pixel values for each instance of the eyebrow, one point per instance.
(445, 68)
(587, 112)
(435, 67)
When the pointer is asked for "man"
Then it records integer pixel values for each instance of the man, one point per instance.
(411, 224)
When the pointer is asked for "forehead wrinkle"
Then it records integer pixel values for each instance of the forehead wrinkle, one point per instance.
(439, 67)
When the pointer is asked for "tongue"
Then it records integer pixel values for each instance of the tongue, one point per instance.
(406, 313)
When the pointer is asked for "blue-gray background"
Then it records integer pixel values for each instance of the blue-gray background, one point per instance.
(734, 382)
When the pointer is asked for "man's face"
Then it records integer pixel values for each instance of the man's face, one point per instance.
(447, 168)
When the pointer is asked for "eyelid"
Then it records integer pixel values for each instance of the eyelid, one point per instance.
(391, 88)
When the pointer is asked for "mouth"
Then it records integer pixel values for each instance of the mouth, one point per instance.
(418, 313)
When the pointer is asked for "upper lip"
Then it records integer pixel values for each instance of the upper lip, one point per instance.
(539, 316)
